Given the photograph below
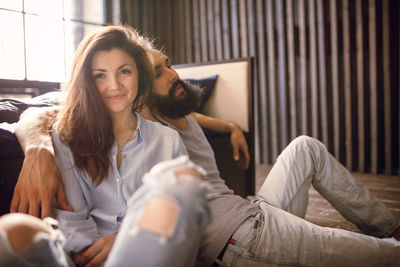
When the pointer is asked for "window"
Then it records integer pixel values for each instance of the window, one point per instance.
(39, 37)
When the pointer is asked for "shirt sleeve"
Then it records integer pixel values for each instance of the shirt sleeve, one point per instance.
(79, 229)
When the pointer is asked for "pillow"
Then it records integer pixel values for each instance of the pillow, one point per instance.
(11, 109)
(207, 86)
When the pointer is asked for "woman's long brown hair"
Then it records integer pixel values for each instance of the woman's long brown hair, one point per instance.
(84, 123)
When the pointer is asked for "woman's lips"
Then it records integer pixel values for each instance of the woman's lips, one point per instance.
(116, 97)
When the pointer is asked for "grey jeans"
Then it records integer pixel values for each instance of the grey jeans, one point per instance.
(135, 246)
(279, 236)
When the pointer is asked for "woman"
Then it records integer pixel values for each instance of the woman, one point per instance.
(103, 149)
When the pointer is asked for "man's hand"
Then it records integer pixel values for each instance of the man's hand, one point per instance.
(38, 182)
(240, 148)
(97, 253)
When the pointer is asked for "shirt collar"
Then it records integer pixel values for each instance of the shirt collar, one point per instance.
(140, 127)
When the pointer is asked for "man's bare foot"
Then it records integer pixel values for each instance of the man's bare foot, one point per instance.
(396, 234)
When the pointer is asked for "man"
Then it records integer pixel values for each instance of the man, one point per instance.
(241, 232)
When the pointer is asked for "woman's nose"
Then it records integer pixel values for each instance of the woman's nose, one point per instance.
(113, 82)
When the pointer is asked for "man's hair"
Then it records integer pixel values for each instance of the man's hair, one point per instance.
(84, 122)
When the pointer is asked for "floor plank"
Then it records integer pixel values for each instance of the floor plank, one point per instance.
(384, 187)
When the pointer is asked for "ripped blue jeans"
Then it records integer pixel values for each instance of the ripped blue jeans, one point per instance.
(136, 244)
(279, 236)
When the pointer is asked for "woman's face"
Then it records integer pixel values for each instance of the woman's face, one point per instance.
(116, 77)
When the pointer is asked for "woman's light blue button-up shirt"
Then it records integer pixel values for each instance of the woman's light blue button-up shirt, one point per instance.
(99, 210)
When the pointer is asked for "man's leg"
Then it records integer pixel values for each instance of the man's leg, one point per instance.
(277, 238)
(163, 224)
(306, 161)
(28, 241)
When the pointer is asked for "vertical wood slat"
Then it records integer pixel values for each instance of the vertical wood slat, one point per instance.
(225, 29)
(360, 87)
(252, 33)
(218, 29)
(373, 85)
(180, 47)
(386, 87)
(179, 27)
(234, 29)
(347, 83)
(322, 73)
(291, 68)
(188, 31)
(203, 31)
(243, 29)
(303, 66)
(313, 69)
(132, 12)
(272, 77)
(282, 92)
(335, 78)
(196, 30)
(211, 30)
(262, 78)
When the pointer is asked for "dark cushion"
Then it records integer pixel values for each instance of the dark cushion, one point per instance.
(207, 85)
(9, 144)
(11, 109)
(11, 158)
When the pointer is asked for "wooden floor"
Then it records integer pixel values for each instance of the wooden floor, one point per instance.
(384, 187)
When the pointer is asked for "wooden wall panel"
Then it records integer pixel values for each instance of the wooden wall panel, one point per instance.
(303, 86)
(188, 32)
(322, 85)
(244, 52)
(347, 83)
(271, 62)
(282, 75)
(360, 86)
(261, 93)
(335, 78)
(386, 87)
(218, 29)
(211, 30)
(291, 60)
(313, 68)
(373, 96)
(324, 68)
(235, 38)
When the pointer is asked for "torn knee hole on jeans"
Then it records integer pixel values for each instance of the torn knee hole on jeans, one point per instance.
(160, 216)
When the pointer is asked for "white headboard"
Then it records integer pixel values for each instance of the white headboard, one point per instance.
(231, 97)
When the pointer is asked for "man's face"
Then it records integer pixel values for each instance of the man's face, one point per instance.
(173, 97)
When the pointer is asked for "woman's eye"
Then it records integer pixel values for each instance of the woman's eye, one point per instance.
(124, 72)
(98, 76)
(157, 74)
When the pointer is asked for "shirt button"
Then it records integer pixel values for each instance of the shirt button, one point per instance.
(117, 180)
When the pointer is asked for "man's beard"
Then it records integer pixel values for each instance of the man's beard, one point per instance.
(174, 108)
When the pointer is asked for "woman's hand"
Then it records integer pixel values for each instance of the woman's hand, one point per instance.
(97, 253)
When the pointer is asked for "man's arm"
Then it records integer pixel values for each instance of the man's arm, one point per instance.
(239, 144)
(39, 180)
